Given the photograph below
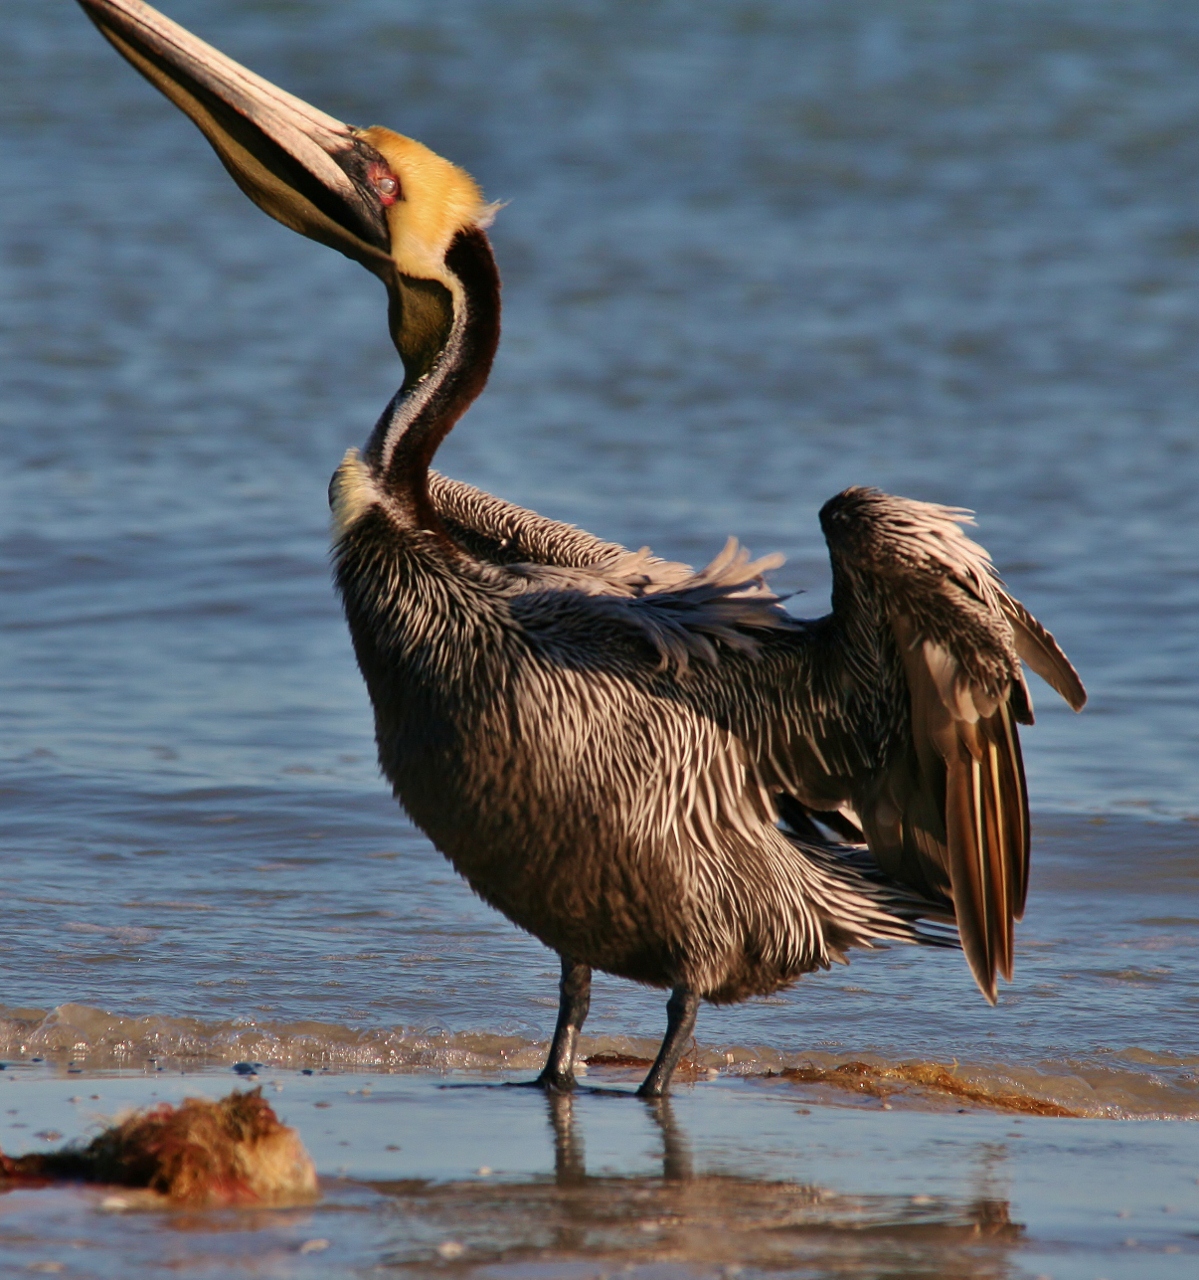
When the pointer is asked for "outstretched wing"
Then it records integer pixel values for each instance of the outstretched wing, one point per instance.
(899, 710)
(948, 811)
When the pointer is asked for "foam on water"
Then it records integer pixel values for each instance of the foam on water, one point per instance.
(1131, 1083)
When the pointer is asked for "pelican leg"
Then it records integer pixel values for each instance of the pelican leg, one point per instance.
(681, 1009)
(574, 1001)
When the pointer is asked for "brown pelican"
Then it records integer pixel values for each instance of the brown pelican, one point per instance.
(642, 765)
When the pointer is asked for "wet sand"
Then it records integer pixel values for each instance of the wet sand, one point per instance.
(447, 1173)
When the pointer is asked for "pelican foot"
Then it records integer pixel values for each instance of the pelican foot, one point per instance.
(548, 1082)
(556, 1081)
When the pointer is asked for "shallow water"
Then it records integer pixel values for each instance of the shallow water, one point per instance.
(306, 929)
(754, 252)
(727, 1178)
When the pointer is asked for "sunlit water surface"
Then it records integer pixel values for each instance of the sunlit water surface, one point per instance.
(754, 252)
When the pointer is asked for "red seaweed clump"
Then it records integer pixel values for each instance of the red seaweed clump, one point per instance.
(200, 1154)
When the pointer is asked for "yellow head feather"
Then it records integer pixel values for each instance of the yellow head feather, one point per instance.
(437, 201)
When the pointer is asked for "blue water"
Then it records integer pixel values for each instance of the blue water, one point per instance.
(753, 253)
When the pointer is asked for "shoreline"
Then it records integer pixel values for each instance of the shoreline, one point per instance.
(1115, 1083)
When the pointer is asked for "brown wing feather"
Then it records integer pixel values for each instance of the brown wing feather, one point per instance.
(987, 826)
(962, 815)
(1040, 650)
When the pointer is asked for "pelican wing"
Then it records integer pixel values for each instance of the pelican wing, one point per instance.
(898, 712)
(947, 811)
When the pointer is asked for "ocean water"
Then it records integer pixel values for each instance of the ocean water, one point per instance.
(753, 252)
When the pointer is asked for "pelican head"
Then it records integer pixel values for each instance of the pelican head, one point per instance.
(380, 198)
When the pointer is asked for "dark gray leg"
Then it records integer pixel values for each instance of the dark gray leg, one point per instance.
(574, 1002)
(681, 1009)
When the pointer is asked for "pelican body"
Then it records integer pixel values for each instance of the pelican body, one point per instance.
(657, 772)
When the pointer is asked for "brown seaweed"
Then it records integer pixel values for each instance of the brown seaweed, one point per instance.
(199, 1153)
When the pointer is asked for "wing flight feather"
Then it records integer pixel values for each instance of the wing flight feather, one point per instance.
(1039, 649)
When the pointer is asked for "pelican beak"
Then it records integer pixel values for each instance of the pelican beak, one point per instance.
(306, 169)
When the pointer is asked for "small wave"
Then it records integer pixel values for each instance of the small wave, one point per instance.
(99, 1040)
(1133, 1083)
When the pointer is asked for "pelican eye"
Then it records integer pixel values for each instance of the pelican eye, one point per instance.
(385, 183)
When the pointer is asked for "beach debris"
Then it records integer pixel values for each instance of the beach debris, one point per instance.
(687, 1067)
(618, 1060)
(199, 1153)
(883, 1082)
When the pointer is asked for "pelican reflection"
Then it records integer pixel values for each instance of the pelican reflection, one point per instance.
(570, 1162)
